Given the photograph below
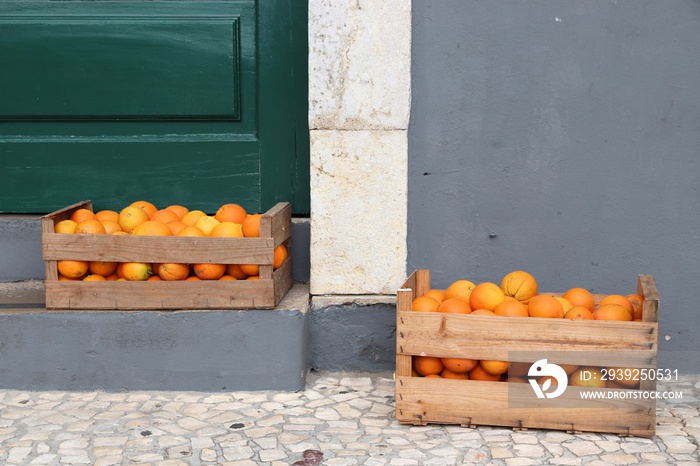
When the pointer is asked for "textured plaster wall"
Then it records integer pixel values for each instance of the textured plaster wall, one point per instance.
(359, 104)
(560, 137)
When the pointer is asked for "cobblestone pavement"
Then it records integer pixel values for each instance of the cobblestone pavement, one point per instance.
(340, 419)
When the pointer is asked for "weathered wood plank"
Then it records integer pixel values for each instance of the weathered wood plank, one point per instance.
(487, 337)
(467, 402)
(214, 294)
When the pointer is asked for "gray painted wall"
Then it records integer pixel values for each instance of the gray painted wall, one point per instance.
(115, 351)
(562, 138)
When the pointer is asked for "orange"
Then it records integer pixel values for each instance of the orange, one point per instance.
(636, 300)
(565, 303)
(594, 378)
(516, 380)
(617, 299)
(454, 306)
(253, 277)
(227, 229)
(519, 369)
(520, 285)
(65, 226)
(209, 271)
(424, 304)
(134, 271)
(179, 210)
(119, 232)
(511, 308)
(61, 278)
(426, 365)
(132, 216)
(206, 223)
(433, 376)
(545, 305)
(251, 225)
(280, 255)
(112, 277)
(482, 312)
(111, 226)
(152, 228)
(578, 312)
(94, 278)
(235, 271)
(624, 377)
(479, 373)
(437, 295)
(190, 231)
(569, 368)
(612, 312)
(192, 278)
(459, 366)
(228, 277)
(103, 215)
(580, 297)
(80, 215)
(231, 213)
(192, 217)
(72, 269)
(165, 216)
(461, 289)
(147, 207)
(154, 278)
(486, 295)
(448, 374)
(494, 367)
(176, 227)
(250, 269)
(173, 271)
(90, 227)
(102, 268)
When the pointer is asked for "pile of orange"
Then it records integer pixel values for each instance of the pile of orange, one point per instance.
(516, 296)
(503, 371)
(143, 218)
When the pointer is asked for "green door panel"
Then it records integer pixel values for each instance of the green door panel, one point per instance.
(148, 67)
(113, 173)
(197, 102)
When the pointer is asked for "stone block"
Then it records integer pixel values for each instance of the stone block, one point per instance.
(359, 64)
(358, 211)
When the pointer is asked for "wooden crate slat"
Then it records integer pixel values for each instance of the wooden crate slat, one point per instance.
(475, 337)
(465, 402)
(282, 278)
(63, 214)
(646, 286)
(404, 298)
(189, 250)
(214, 294)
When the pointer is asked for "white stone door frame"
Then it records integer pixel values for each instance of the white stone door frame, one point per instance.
(359, 107)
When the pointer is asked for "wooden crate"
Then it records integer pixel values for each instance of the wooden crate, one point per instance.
(266, 293)
(421, 400)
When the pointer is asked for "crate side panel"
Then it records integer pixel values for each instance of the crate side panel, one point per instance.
(244, 294)
(423, 401)
(124, 248)
(485, 337)
(283, 280)
(280, 222)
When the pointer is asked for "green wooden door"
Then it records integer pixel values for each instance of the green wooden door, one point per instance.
(176, 102)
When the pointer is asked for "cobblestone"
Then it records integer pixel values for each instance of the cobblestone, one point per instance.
(340, 419)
